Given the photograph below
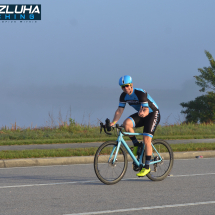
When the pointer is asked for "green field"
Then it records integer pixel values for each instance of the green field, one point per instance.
(76, 133)
(40, 153)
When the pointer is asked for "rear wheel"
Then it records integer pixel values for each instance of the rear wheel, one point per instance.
(162, 168)
(107, 171)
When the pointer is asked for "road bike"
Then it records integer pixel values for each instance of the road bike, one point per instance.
(111, 161)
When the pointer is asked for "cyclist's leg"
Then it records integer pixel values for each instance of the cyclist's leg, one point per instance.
(148, 149)
(147, 140)
(132, 121)
(129, 125)
(150, 123)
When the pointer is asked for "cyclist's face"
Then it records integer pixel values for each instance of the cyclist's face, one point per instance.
(128, 88)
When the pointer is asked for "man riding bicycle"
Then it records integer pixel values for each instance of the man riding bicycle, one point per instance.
(148, 115)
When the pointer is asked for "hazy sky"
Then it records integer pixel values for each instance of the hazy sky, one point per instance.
(73, 58)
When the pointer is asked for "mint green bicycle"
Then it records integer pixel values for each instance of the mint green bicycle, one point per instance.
(111, 162)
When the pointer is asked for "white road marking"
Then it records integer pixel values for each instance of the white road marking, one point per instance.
(193, 159)
(145, 208)
(33, 185)
(193, 175)
(24, 167)
(202, 174)
(83, 182)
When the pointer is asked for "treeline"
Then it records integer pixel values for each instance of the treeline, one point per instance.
(202, 108)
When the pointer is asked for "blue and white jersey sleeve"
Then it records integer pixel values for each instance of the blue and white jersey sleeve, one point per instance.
(142, 97)
(122, 101)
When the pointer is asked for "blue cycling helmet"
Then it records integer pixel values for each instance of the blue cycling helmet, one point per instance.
(126, 79)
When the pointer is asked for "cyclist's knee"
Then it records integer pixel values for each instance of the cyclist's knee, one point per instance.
(128, 123)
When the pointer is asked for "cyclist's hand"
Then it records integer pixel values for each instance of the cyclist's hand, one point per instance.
(112, 124)
(143, 112)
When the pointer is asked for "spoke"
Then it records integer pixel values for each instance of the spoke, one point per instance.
(103, 168)
(114, 170)
(162, 167)
(112, 173)
(109, 172)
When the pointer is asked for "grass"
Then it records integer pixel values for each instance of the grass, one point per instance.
(41, 153)
(193, 147)
(76, 133)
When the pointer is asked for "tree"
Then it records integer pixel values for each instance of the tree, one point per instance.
(207, 78)
(202, 109)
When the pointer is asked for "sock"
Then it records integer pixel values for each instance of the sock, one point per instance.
(134, 141)
(148, 158)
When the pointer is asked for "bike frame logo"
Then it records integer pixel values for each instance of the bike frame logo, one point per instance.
(20, 12)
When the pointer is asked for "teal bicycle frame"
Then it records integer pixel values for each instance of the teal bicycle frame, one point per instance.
(120, 141)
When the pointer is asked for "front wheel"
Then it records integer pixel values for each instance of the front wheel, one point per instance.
(161, 160)
(108, 171)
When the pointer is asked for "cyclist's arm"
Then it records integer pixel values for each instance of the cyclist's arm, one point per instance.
(143, 112)
(117, 116)
(144, 107)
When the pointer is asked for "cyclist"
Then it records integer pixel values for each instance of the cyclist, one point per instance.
(147, 115)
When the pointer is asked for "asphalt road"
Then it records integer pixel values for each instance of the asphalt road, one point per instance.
(74, 189)
(85, 145)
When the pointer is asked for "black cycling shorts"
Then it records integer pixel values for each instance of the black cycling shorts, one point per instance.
(149, 122)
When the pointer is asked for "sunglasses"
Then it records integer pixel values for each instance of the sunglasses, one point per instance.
(126, 85)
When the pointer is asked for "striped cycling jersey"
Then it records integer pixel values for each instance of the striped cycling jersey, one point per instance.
(138, 98)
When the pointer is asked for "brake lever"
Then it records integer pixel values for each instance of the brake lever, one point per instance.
(103, 126)
(106, 131)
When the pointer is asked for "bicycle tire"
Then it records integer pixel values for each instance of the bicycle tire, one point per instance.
(102, 167)
(162, 169)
